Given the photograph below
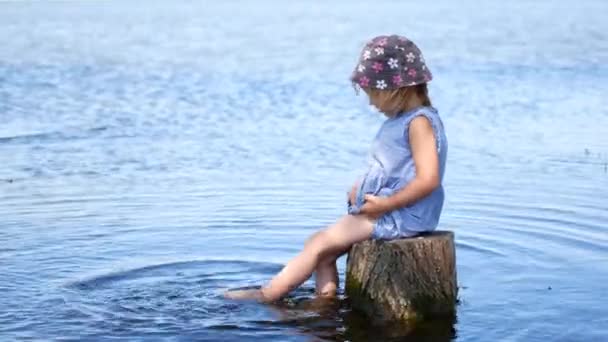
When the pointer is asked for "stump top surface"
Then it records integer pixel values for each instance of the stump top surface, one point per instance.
(435, 235)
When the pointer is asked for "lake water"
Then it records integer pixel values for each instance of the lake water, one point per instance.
(154, 154)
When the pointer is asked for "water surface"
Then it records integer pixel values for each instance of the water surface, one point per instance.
(153, 155)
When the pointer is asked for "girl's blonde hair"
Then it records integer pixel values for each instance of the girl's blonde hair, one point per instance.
(396, 101)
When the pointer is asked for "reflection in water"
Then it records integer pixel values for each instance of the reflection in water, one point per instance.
(334, 320)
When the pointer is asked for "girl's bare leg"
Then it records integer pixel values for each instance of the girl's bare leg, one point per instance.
(326, 277)
(333, 240)
(326, 272)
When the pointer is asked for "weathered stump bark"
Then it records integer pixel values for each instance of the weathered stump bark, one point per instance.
(403, 280)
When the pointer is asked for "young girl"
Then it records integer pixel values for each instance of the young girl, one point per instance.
(401, 194)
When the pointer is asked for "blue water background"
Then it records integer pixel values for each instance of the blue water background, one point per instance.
(153, 154)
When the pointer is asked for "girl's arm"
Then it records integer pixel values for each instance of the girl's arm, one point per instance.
(426, 160)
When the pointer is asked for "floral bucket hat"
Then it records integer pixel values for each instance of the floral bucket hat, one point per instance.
(390, 62)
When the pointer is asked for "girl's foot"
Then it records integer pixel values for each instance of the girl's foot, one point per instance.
(250, 294)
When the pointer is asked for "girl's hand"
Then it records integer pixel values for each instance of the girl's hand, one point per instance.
(375, 206)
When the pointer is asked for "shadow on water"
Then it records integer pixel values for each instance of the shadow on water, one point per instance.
(185, 298)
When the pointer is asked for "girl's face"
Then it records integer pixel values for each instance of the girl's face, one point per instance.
(376, 98)
(389, 102)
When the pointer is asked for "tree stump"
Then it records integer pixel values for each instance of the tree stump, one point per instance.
(403, 280)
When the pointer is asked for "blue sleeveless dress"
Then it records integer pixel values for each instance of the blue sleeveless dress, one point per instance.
(391, 167)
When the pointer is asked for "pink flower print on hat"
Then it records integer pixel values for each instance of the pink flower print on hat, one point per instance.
(377, 67)
(364, 82)
(397, 80)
